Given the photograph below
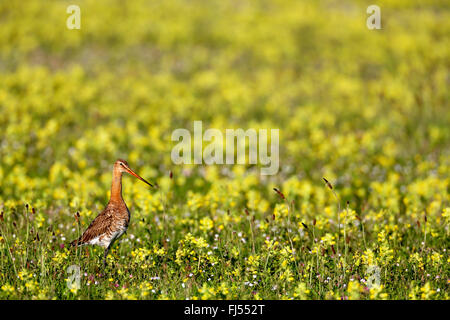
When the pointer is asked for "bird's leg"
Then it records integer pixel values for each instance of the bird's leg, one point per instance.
(104, 256)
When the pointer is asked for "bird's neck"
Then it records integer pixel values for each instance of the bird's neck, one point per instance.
(116, 187)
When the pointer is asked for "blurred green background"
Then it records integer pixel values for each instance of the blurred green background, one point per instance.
(352, 104)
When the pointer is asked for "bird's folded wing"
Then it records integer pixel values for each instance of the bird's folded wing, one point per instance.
(101, 225)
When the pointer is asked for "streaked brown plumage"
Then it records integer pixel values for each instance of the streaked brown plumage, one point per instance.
(113, 221)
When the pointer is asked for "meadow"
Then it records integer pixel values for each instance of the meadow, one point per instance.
(368, 110)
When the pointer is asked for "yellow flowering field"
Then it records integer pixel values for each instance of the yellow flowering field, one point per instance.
(368, 110)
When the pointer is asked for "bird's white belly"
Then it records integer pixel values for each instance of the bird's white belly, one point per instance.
(106, 240)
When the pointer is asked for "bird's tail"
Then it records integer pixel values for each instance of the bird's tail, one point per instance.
(76, 243)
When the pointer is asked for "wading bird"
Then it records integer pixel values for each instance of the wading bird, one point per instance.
(113, 221)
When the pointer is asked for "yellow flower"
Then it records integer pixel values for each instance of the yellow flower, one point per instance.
(206, 224)
(328, 239)
(8, 288)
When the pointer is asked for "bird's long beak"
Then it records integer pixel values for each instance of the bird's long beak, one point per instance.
(137, 176)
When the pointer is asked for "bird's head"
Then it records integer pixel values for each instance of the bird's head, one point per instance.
(122, 166)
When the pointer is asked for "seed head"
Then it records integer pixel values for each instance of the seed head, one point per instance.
(279, 193)
(328, 183)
